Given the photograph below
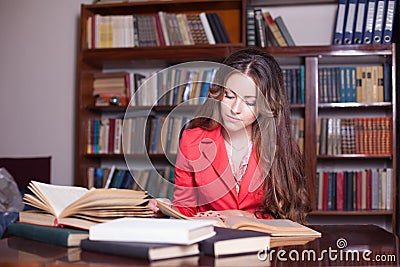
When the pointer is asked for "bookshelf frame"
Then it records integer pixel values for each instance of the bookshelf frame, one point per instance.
(233, 14)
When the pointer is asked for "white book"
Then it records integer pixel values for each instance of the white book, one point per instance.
(161, 230)
(207, 28)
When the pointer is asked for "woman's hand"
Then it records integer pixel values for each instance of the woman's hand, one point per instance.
(153, 205)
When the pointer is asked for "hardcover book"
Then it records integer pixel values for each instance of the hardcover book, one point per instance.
(66, 237)
(153, 230)
(228, 241)
(141, 250)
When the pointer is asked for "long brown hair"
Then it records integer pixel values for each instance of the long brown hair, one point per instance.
(285, 194)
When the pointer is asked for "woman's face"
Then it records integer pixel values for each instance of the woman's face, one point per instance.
(238, 106)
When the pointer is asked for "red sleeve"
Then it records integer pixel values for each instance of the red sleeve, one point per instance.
(184, 186)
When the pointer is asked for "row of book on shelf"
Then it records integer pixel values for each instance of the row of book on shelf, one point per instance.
(159, 29)
(369, 189)
(155, 182)
(169, 87)
(338, 136)
(263, 30)
(115, 221)
(364, 22)
(157, 134)
(355, 84)
(136, 135)
(361, 83)
(174, 86)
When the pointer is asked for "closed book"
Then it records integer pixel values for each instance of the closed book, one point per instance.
(153, 230)
(274, 29)
(285, 32)
(350, 22)
(387, 83)
(389, 22)
(214, 28)
(369, 22)
(379, 21)
(207, 28)
(147, 251)
(360, 21)
(340, 22)
(229, 241)
(250, 27)
(66, 237)
(222, 28)
(260, 28)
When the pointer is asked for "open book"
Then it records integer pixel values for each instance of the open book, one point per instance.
(80, 207)
(283, 231)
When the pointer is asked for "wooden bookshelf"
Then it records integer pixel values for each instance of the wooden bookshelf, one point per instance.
(233, 15)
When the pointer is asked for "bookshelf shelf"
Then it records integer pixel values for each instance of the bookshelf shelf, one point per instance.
(332, 50)
(233, 14)
(357, 213)
(171, 54)
(355, 156)
(355, 105)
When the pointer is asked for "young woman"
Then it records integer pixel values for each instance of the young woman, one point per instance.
(237, 153)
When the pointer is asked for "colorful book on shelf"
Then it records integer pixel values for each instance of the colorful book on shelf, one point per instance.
(141, 250)
(153, 230)
(282, 231)
(66, 237)
(269, 20)
(80, 207)
(197, 29)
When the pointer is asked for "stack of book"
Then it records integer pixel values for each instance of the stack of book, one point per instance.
(160, 239)
(364, 22)
(181, 236)
(111, 88)
(113, 221)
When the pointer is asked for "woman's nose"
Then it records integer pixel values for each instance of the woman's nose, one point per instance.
(237, 105)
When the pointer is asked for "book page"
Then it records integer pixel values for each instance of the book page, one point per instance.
(169, 211)
(106, 198)
(59, 196)
(276, 227)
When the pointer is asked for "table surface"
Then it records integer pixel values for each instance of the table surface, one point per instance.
(340, 245)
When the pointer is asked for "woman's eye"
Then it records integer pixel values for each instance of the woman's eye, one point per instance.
(252, 104)
(229, 96)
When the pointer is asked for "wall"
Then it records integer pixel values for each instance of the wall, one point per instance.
(38, 81)
(38, 74)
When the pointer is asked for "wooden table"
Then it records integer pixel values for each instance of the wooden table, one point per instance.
(340, 245)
